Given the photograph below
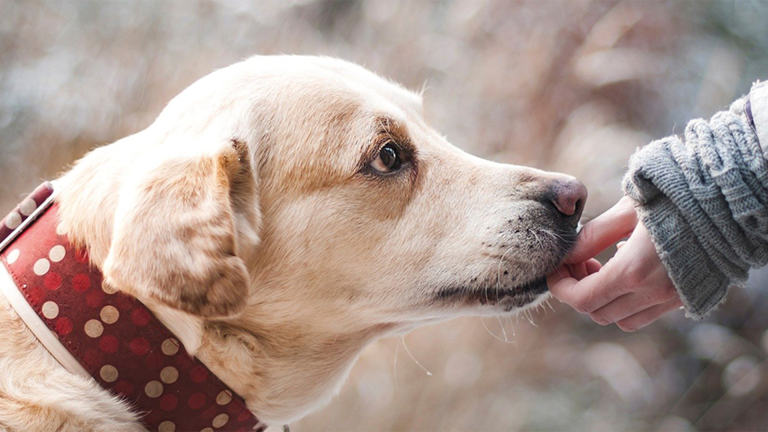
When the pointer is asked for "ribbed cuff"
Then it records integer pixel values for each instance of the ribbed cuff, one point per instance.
(701, 286)
(705, 204)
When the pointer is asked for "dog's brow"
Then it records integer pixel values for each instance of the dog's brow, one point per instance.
(395, 131)
(384, 123)
(384, 129)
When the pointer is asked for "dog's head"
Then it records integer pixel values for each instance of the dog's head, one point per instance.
(317, 178)
(311, 189)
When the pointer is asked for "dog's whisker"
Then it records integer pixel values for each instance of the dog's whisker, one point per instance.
(504, 332)
(495, 336)
(394, 366)
(538, 240)
(511, 326)
(549, 304)
(529, 317)
(414, 358)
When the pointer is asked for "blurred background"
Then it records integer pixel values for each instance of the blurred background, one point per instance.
(574, 86)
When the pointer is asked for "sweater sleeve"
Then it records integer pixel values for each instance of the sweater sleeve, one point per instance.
(704, 201)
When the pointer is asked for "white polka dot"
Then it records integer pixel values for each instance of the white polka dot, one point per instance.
(13, 256)
(166, 426)
(169, 375)
(50, 310)
(224, 397)
(93, 328)
(42, 266)
(107, 288)
(206, 429)
(108, 373)
(13, 220)
(61, 229)
(170, 346)
(109, 314)
(27, 206)
(57, 253)
(220, 420)
(153, 389)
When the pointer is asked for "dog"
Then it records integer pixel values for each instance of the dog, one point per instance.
(280, 215)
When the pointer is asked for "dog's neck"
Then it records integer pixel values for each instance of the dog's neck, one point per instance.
(287, 366)
(282, 359)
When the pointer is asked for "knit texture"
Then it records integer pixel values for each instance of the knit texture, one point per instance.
(705, 204)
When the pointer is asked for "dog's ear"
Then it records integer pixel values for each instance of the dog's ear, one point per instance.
(181, 229)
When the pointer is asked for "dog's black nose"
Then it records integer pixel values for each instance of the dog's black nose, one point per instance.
(569, 198)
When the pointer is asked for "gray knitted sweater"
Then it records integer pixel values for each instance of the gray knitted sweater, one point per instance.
(704, 200)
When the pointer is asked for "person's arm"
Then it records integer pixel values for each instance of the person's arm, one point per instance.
(704, 204)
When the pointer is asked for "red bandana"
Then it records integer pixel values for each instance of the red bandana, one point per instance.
(112, 335)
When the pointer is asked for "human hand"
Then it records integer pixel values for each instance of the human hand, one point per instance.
(632, 289)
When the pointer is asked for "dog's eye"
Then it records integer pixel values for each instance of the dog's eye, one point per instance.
(389, 159)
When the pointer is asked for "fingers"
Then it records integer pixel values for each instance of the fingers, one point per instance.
(560, 274)
(634, 303)
(578, 271)
(573, 271)
(603, 231)
(648, 316)
(632, 289)
(593, 266)
(582, 270)
(591, 293)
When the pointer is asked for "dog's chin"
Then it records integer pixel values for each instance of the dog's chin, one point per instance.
(501, 297)
(496, 299)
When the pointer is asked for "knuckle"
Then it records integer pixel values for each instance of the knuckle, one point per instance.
(628, 327)
(624, 286)
(600, 319)
(582, 306)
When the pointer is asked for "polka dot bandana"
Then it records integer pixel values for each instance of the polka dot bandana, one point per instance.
(112, 335)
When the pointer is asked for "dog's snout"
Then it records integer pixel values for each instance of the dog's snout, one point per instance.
(569, 198)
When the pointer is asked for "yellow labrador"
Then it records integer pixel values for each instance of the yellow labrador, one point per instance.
(312, 211)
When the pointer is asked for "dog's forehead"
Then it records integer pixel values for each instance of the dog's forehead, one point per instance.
(323, 83)
(287, 93)
(335, 106)
(308, 115)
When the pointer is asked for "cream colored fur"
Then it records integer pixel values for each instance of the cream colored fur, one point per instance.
(248, 219)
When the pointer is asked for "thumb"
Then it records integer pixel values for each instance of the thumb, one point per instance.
(601, 232)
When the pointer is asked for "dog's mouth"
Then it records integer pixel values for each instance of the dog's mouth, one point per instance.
(509, 298)
(507, 294)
